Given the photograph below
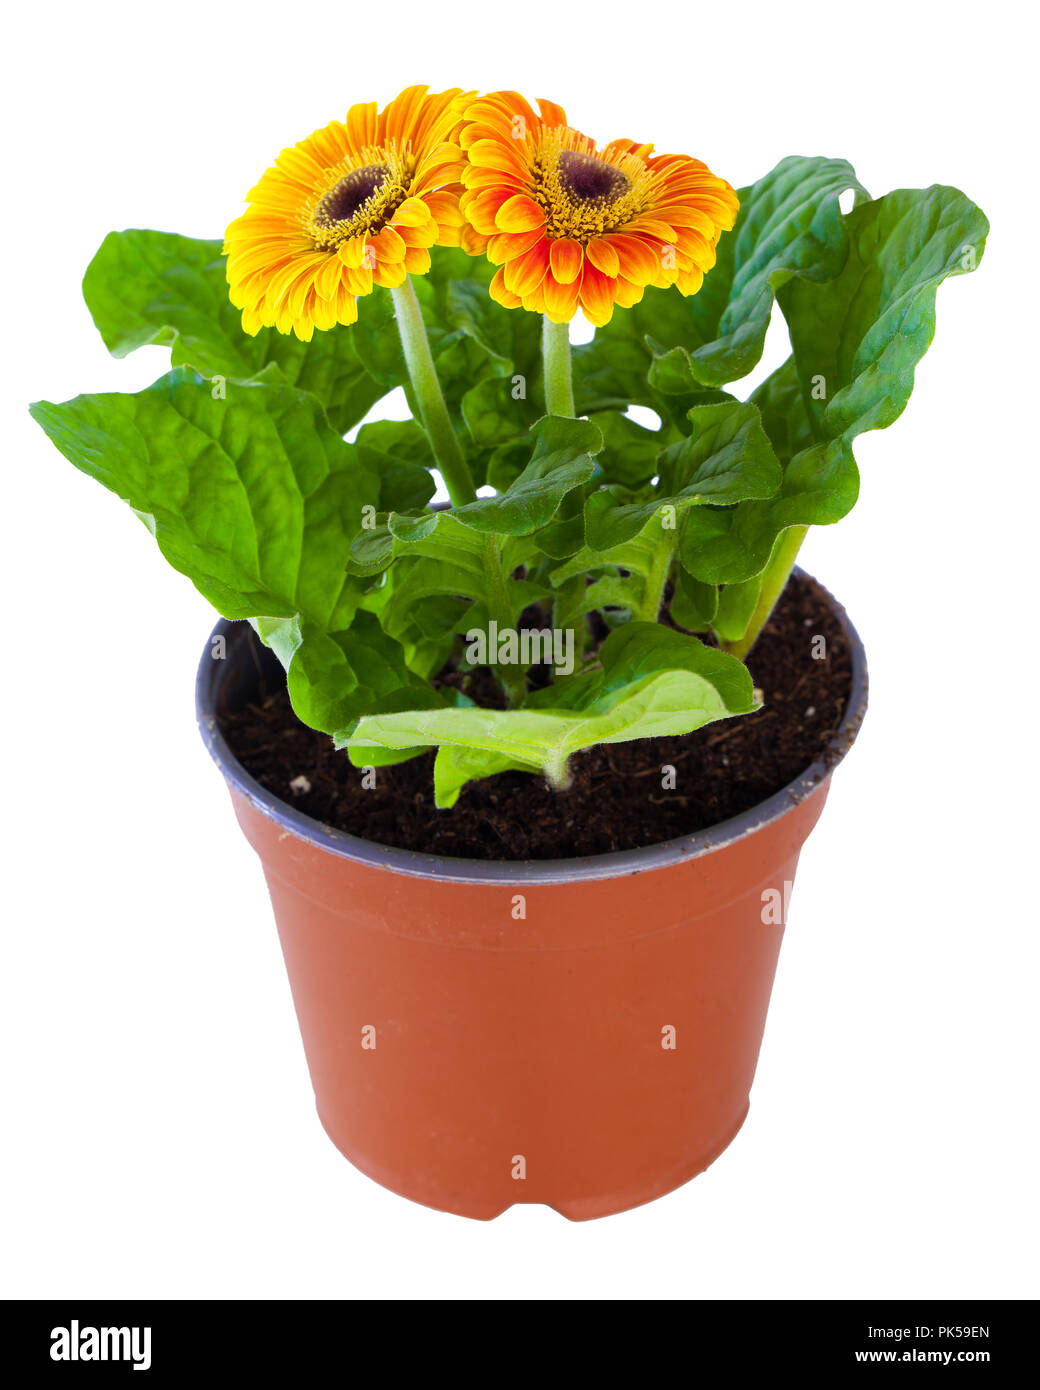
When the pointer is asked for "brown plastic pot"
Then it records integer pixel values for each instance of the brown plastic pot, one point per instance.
(582, 1032)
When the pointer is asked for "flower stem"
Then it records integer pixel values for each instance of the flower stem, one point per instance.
(443, 440)
(556, 367)
(774, 577)
(559, 400)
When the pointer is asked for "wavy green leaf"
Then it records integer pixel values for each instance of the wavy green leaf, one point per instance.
(726, 459)
(157, 287)
(257, 500)
(653, 682)
(789, 225)
(669, 346)
(857, 341)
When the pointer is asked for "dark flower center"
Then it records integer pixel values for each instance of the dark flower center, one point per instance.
(588, 179)
(351, 194)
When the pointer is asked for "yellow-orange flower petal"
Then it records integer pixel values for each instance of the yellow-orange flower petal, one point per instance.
(499, 293)
(603, 256)
(355, 204)
(519, 214)
(566, 257)
(570, 223)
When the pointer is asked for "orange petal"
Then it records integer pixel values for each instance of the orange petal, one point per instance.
(346, 306)
(697, 250)
(597, 295)
(324, 315)
(526, 273)
(603, 256)
(417, 260)
(413, 212)
(507, 246)
(444, 208)
(561, 301)
(637, 260)
(327, 280)
(519, 214)
(475, 178)
(650, 226)
(689, 281)
(498, 292)
(390, 274)
(686, 215)
(388, 246)
(486, 130)
(473, 242)
(626, 294)
(495, 154)
(426, 235)
(352, 252)
(481, 208)
(500, 110)
(362, 124)
(358, 281)
(565, 257)
(552, 115)
(534, 300)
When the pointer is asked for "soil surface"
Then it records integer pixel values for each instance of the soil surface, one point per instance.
(618, 799)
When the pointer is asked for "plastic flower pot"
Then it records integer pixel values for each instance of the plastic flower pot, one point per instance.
(582, 1032)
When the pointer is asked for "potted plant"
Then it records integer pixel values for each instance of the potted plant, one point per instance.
(528, 771)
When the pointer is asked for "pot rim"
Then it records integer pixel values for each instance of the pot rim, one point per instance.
(618, 863)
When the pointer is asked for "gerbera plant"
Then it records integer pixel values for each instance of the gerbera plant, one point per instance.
(444, 244)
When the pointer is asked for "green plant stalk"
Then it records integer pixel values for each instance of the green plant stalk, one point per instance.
(435, 418)
(513, 679)
(774, 578)
(451, 462)
(559, 400)
(556, 367)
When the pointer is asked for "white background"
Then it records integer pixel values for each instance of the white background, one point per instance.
(159, 1131)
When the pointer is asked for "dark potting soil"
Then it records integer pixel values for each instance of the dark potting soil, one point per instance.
(618, 798)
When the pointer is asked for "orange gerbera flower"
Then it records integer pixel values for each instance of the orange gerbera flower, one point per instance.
(568, 224)
(352, 206)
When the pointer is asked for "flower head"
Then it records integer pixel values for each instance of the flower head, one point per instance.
(571, 225)
(354, 205)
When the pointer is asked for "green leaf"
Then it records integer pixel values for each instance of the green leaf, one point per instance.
(611, 372)
(654, 682)
(668, 346)
(495, 415)
(256, 499)
(726, 459)
(694, 605)
(736, 604)
(857, 341)
(398, 451)
(156, 287)
(336, 676)
(456, 764)
(730, 545)
(562, 460)
(444, 576)
(630, 450)
(789, 225)
(781, 406)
